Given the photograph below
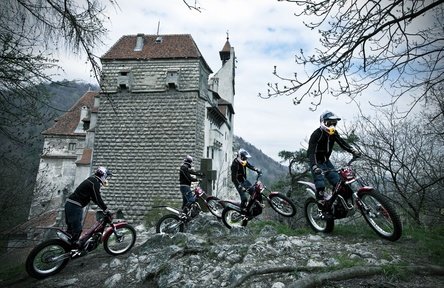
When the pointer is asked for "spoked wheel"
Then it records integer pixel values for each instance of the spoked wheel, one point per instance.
(282, 205)
(169, 224)
(315, 219)
(48, 258)
(214, 206)
(121, 240)
(233, 218)
(380, 215)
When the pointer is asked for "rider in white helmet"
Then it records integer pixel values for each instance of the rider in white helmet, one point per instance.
(320, 147)
(88, 190)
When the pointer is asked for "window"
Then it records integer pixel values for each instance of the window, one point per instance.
(71, 146)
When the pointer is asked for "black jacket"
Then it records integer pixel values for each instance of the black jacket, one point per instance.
(321, 144)
(185, 174)
(88, 190)
(239, 172)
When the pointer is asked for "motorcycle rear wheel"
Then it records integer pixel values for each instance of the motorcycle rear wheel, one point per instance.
(381, 216)
(170, 224)
(214, 206)
(120, 241)
(233, 218)
(282, 205)
(315, 218)
(47, 258)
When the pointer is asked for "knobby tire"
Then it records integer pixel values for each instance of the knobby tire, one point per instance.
(122, 242)
(39, 264)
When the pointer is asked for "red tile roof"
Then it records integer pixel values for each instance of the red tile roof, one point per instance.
(86, 157)
(170, 46)
(67, 123)
(155, 47)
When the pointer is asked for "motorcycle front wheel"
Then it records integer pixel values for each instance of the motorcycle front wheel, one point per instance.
(120, 241)
(380, 215)
(170, 224)
(233, 218)
(315, 219)
(214, 206)
(282, 205)
(47, 258)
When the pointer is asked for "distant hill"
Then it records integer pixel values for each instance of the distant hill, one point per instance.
(272, 170)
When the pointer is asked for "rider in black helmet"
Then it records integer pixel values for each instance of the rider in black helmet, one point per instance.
(88, 190)
(239, 175)
(319, 150)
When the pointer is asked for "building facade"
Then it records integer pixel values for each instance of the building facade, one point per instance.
(157, 104)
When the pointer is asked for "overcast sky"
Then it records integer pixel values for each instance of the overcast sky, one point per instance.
(264, 33)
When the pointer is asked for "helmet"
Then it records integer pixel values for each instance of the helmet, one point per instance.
(102, 173)
(188, 159)
(243, 154)
(328, 122)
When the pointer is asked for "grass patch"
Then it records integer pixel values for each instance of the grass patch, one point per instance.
(280, 228)
(347, 262)
(429, 242)
(352, 231)
(397, 272)
(11, 273)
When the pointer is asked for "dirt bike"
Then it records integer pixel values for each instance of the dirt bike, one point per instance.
(175, 222)
(234, 216)
(51, 256)
(350, 194)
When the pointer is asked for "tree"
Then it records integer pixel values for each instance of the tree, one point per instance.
(364, 43)
(403, 160)
(30, 32)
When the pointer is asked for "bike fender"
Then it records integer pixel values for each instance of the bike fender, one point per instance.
(109, 230)
(311, 188)
(365, 189)
(233, 206)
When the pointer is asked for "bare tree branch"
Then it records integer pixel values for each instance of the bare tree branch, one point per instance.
(393, 44)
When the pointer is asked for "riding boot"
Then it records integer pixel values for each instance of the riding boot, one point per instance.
(320, 198)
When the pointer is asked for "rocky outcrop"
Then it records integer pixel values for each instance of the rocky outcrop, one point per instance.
(210, 255)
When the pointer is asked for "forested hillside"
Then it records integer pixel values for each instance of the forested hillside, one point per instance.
(21, 146)
(272, 170)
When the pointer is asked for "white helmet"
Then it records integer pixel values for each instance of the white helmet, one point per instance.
(188, 159)
(102, 173)
(328, 122)
(243, 154)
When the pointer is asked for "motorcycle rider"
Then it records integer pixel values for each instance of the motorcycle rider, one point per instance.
(320, 147)
(185, 178)
(88, 190)
(239, 175)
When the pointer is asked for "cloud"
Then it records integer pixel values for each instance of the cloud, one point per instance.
(263, 33)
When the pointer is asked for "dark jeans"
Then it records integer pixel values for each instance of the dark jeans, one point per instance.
(244, 193)
(331, 176)
(73, 219)
(187, 195)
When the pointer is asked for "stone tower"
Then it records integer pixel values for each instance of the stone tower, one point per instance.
(156, 106)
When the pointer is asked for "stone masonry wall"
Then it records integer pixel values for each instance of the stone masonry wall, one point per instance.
(143, 138)
(150, 75)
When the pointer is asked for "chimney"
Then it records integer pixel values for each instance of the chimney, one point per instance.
(139, 42)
